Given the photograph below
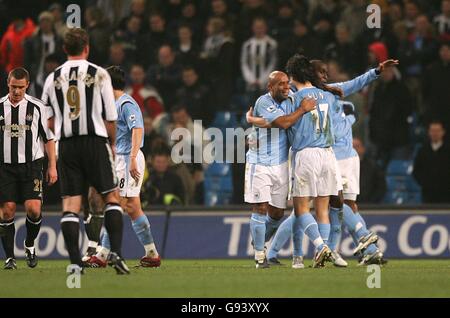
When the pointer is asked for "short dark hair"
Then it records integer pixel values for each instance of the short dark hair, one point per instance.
(300, 69)
(117, 77)
(177, 108)
(19, 73)
(436, 122)
(75, 40)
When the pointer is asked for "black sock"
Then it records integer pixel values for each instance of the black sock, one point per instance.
(114, 226)
(70, 227)
(9, 231)
(93, 226)
(33, 226)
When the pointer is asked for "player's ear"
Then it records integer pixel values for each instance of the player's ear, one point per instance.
(86, 50)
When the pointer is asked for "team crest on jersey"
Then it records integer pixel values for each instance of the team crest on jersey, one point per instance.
(132, 117)
(271, 108)
(29, 117)
(256, 195)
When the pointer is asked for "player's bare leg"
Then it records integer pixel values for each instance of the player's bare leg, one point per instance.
(93, 221)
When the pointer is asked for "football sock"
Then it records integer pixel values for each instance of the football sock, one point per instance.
(309, 226)
(70, 227)
(360, 218)
(93, 226)
(353, 224)
(141, 227)
(336, 226)
(258, 230)
(324, 230)
(9, 230)
(271, 227)
(114, 226)
(33, 226)
(282, 235)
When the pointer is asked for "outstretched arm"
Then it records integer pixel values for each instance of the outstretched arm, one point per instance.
(356, 84)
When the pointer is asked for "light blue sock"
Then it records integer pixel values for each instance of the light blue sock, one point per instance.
(372, 248)
(324, 230)
(258, 230)
(141, 227)
(353, 224)
(309, 226)
(271, 227)
(105, 240)
(282, 235)
(360, 218)
(336, 228)
(298, 243)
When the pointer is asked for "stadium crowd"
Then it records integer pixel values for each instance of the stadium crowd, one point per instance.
(188, 60)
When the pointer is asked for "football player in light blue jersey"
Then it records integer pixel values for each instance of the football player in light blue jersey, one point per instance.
(314, 164)
(343, 150)
(266, 173)
(130, 167)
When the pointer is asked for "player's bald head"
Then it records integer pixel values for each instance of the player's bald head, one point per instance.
(276, 76)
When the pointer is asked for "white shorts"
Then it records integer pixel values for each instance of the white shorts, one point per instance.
(128, 187)
(267, 184)
(350, 177)
(315, 173)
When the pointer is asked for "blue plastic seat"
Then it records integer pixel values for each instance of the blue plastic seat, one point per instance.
(399, 168)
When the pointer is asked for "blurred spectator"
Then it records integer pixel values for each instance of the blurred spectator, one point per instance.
(258, 58)
(166, 75)
(163, 187)
(51, 62)
(377, 53)
(412, 11)
(284, 22)
(11, 45)
(442, 21)
(190, 17)
(354, 16)
(389, 109)
(432, 166)
(59, 22)
(114, 10)
(217, 60)
(302, 41)
(44, 42)
(150, 42)
(372, 179)
(138, 10)
(219, 9)
(152, 139)
(145, 95)
(195, 96)
(99, 35)
(187, 52)
(251, 9)
(130, 36)
(436, 87)
(416, 55)
(117, 57)
(343, 50)
(323, 15)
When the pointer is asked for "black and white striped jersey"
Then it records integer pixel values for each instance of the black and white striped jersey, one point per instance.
(80, 95)
(23, 130)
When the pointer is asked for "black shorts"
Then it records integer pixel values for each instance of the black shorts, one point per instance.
(85, 160)
(21, 182)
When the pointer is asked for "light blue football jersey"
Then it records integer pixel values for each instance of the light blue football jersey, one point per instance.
(313, 129)
(129, 117)
(268, 146)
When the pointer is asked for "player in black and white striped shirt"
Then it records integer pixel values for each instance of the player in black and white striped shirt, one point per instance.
(83, 115)
(23, 133)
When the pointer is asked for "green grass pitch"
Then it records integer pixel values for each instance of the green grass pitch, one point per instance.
(230, 278)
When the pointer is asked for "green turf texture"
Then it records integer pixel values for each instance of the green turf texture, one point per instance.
(230, 279)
